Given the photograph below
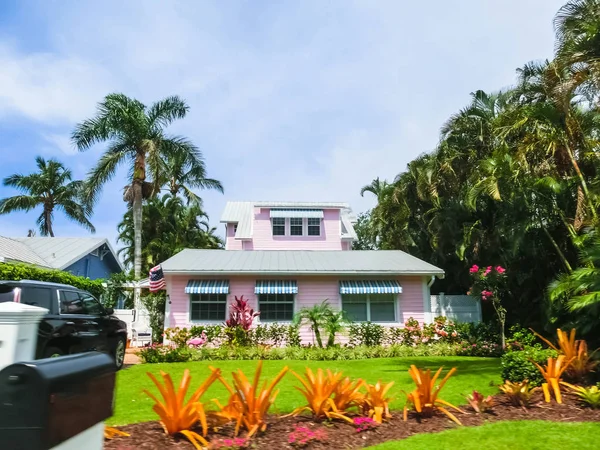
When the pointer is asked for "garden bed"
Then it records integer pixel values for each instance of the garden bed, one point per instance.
(340, 435)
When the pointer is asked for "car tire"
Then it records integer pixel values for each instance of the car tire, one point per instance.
(119, 352)
(53, 352)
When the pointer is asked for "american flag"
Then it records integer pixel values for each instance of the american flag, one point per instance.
(157, 279)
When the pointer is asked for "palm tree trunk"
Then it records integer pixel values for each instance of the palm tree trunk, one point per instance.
(582, 182)
(48, 220)
(137, 229)
(561, 255)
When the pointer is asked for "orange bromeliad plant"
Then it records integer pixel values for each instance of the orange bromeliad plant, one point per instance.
(111, 432)
(376, 404)
(347, 394)
(177, 415)
(318, 390)
(553, 373)
(248, 403)
(424, 398)
(575, 351)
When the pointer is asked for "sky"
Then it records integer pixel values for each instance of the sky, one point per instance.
(289, 100)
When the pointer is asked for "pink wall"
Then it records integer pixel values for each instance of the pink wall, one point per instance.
(230, 242)
(311, 291)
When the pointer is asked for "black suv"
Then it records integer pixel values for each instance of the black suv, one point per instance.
(76, 322)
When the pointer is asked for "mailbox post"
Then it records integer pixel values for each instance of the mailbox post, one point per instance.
(18, 331)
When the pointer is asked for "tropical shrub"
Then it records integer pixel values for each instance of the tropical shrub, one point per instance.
(520, 338)
(155, 303)
(552, 373)
(483, 349)
(479, 403)
(375, 402)
(588, 395)
(488, 284)
(241, 318)
(424, 399)
(160, 353)
(248, 402)
(519, 366)
(179, 337)
(519, 393)
(318, 391)
(478, 332)
(178, 416)
(347, 394)
(321, 317)
(366, 333)
(215, 334)
(17, 272)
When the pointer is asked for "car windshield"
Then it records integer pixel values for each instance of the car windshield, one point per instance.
(7, 293)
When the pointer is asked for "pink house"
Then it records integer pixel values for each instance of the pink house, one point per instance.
(287, 255)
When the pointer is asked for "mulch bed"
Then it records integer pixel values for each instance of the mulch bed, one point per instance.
(340, 435)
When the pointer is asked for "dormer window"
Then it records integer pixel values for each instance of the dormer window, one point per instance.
(296, 226)
(314, 226)
(278, 226)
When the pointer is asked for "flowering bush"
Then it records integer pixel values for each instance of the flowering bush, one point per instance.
(157, 353)
(302, 436)
(230, 444)
(364, 424)
(199, 341)
(487, 285)
(481, 348)
(178, 336)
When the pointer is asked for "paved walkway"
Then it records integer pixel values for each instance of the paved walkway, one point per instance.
(131, 357)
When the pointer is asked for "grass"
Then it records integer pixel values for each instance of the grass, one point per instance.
(132, 405)
(522, 435)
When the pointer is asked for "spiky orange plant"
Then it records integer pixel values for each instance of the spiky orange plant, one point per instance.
(518, 393)
(376, 404)
(552, 374)
(347, 394)
(424, 399)
(111, 432)
(318, 390)
(575, 351)
(248, 403)
(479, 403)
(177, 415)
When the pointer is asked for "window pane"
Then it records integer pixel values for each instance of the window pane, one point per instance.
(208, 307)
(275, 298)
(70, 303)
(355, 307)
(36, 296)
(91, 305)
(7, 293)
(276, 307)
(278, 226)
(383, 307)
(314, 230)
(296, 226)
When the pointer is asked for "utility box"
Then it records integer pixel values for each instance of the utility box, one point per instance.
(46, 402)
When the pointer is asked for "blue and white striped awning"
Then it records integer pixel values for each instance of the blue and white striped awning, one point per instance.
(207, 287)
(370, 287)
(276, 287)
(310, 213)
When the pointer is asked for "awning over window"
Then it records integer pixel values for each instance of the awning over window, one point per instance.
(310, 213)
(370, 287)
(207, 287)
(276, 287)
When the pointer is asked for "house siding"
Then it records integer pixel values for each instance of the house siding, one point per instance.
(231, 243)
(312, 290)
(93, 267)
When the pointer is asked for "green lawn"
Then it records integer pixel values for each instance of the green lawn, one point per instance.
(132, 405)
(521, 435)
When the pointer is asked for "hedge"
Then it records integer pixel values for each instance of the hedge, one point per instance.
(17, 272)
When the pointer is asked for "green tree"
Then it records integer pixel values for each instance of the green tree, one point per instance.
(136, 136)
(318, 317)
(52, 188)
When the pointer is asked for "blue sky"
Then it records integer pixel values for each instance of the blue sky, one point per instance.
(290, 100)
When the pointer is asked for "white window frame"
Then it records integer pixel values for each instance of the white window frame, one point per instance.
(278, 225)
(396, 315)
(275, 303)
(302, 226)
(191, 301)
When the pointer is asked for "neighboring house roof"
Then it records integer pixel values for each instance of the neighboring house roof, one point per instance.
(53, 252)
(242, 214)
(290, 262)
(15, 251)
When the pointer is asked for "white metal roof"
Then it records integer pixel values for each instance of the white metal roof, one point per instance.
(58, 252)
(12, 250)
(273, 262)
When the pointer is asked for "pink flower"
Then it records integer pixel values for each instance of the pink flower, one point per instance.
(454, 334)
(488, 269)
(500, 269)
(474, 268)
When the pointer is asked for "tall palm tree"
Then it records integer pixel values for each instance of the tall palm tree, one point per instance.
(136, 135)
(181, 174)
(51, 187)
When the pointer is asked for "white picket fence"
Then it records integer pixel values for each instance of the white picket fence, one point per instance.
(460, 308)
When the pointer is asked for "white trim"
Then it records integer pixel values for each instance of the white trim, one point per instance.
(294, 308)
(369, 308)
(205, 321)
(201, 273)
(426, 301)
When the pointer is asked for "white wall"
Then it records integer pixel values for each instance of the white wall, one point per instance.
(460, 308)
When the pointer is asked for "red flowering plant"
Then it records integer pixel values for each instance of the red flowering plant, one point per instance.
(488, 285)
(241, 317)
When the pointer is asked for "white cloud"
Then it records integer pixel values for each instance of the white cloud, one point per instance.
(61, 142)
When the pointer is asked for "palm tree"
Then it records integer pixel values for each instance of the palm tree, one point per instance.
(51, 187)
(181, 174)
(317, 317)
(136, 136)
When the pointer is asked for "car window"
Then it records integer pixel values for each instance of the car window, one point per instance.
(7, 293)
(37, 296)
(70, 303)
(91, 305)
